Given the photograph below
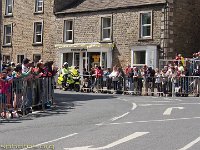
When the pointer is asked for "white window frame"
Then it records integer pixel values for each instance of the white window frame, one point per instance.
(37, 6)
(106, 28)
(146, 25)
(151, 55)
(35, 33)
(67, 31)
(6, 10)
(5, 35)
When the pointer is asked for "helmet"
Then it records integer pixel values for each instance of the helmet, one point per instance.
(65, 64)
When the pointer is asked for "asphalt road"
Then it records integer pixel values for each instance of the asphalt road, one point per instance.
(82, 121)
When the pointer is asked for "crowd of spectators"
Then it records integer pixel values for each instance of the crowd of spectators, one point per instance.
(137, 78)
(11, 81)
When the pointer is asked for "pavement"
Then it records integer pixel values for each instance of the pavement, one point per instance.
(88, 121)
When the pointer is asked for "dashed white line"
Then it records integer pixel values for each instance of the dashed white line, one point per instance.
(147, 121)
(116, 118)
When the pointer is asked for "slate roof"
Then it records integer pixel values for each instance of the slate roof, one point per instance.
(97, 5)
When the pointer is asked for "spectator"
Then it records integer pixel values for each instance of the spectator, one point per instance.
(114, 76)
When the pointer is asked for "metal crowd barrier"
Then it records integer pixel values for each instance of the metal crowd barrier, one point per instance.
(21, 96)
(103, 84)
(162, 86)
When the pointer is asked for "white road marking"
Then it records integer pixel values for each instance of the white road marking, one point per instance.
(168, 99)
(148, 121)
(134, 106)
(190, 103)
(36, 146)
(119, 117)
(154, 97)
(178, 100)
(121, 141)
(190, 144)
(116, 118)
(161, 101)
(151, 105)
(168, 104)
(124, 100)
(168, 111)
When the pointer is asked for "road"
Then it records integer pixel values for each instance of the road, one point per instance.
(88, 121)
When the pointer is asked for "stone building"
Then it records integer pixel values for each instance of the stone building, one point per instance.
(135, 32)
(101, 32)
(28, 30)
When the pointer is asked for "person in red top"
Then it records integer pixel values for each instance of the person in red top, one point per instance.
(99, 77)
(128, 70)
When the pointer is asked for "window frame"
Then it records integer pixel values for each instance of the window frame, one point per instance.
(141, 36)
(6, 8)
(139, 51)
(36, 7)
(102, 29)
(20, 58)
(5, 34)
(35, 34)
(4, 57)
(65, 31)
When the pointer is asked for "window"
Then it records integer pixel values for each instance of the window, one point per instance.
(9, 7)
(38, 6)
(36, 58)
(139, 57)
(38, 29)
(7, 34)
(106, 28)
(6, 58)
(68, 31)
(76, 59)
(20, 58)
(146, 25)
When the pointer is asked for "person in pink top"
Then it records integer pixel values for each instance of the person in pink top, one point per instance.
(4, 89)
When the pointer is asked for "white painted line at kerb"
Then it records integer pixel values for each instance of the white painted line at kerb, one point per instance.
(116, 118)
(190, 144)
(61, 138)
(148, 121)
(144, 105)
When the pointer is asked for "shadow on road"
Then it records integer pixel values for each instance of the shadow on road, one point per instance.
(63, 103)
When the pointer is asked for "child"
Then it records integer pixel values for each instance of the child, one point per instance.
(4, 91)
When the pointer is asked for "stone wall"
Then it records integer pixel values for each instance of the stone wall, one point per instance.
(197, 25)
(184, 28)
(23, 30)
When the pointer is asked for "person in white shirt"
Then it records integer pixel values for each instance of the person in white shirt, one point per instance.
(114, 76)
(25, 65)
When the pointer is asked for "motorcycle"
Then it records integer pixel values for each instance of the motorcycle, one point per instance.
(73, 80)
(76, 79)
